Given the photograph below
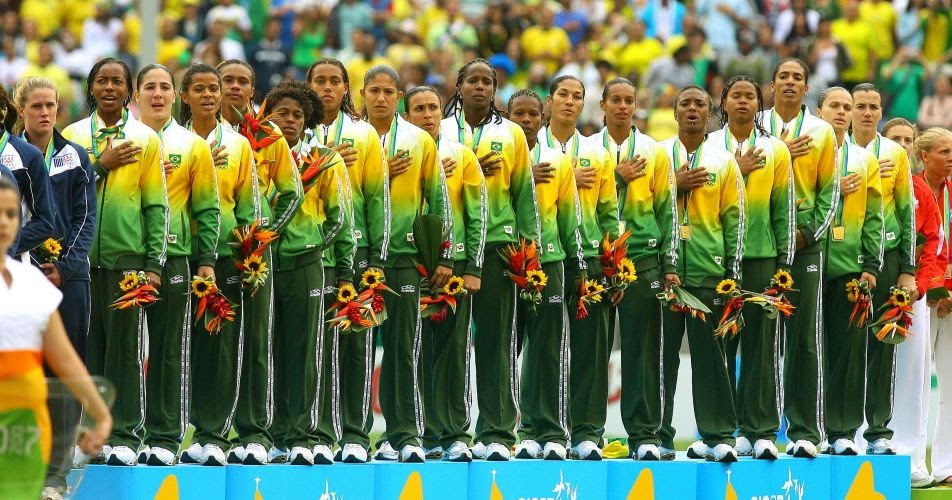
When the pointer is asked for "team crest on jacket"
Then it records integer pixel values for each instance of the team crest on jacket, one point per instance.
(175, 159)
(348, 141)
(496, 146)
(585, 162)
(711, 178)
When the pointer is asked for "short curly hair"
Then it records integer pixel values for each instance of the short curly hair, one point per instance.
(300, 92)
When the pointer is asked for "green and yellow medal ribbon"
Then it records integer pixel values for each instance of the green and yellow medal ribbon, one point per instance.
(339, 125)
(775, 118)
(461, 131)
(550, 139)
(97, 134)
(693, 160)
(631, 145)
(844, 169)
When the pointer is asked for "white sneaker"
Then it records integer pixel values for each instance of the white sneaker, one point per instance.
(479, 451)
(764, 449)
(121, 455)
(351, 453)
(844, 446)
(921, 479)
(192, 455)
(528, 449)
(51, 493)
(212, 455)
(161, 456)
(803, 449)
(698, 450)
(102, 456)
(458, 452)
(667, 454)
(300, 456)
(496, 452)
(144, 453)
(881, 446)
(743, 447)
(386, 452)
(255, 455)
(824, 448)
(553, 451)
(434, 453)
(648, 452)
(324, 456)
(412, 454)
(237, 454)
(277, 455)
(586, 450)
(722, 453)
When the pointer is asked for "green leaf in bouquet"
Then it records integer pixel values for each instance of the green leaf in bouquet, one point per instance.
(937, 293)
(428, 237)
(688, 299)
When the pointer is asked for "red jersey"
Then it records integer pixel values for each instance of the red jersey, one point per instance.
(932, 235)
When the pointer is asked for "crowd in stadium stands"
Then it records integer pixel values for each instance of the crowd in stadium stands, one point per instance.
(662, 45)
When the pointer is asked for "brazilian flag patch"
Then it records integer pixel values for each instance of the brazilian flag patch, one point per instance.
(585, 162)
(348, 141)
(496, 146)
(175, 159)
(711, 178)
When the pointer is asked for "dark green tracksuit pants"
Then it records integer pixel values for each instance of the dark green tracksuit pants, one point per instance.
(845, 347)
(803, 367)
(590, 343)
(255, 395)
(545, 363)
(219, 364)
(640, 332)
(115, 351)
(757, 391)
(497, 386)
(298, 339)
(170, 334)
(401, 384)
(327, 383)
(445, 365)
(355, 365)
(881, 360)
(710, 385)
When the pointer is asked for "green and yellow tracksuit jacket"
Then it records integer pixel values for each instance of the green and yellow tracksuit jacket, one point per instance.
(598, 205)
(816, 181)
(555, 204)
(469, 201)
(404, 196)
(510, 184)
(711, 218)
(322, 219)
(899, 212)
(647, 205)
(855, 241)
(769, 197)
(238, 196)
(192, 186)
(133, 209)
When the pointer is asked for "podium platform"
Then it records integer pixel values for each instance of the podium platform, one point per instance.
(823, 478)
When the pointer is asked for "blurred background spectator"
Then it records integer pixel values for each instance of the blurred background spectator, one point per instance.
(901, 45)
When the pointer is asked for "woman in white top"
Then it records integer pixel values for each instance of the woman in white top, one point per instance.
(31, 333)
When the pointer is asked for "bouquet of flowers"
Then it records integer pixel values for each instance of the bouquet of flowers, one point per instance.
(618, 273)
(732, 319)
(355, 313)
(431, 240)
(136, 290)
(50, 250)
(437, 308)
(213, 307)
(680, 300)
(249, 246)
(858, 293)
(892, 327)
(590, 292)
(256, 128)
(524, 270)
(315, 163)
(773, 300)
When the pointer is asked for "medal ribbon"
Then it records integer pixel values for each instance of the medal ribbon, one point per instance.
(798, 126)
(693, 160)
(97, 134)
(844, 168)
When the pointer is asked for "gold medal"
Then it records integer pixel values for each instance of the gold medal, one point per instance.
(839, 233)
(685, 232)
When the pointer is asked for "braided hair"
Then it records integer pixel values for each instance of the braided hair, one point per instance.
(197, 68)
(347, 104)
(455, 103)
(94, 72)
(524, 93)
(760, 102)
(299, 91)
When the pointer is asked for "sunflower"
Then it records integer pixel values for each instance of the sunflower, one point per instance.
(255, 267)
(852, 291)
(454, 286)
(899, 297)
(52, 247)
(593, 290)
(626, 271)
(372, 279)
(537, 278)
(202, 287)
(783, 280)
(726, 287)
(346, 294)
(129, 282)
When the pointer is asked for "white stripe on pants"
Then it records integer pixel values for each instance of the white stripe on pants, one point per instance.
(913, 385)
(942, 441)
